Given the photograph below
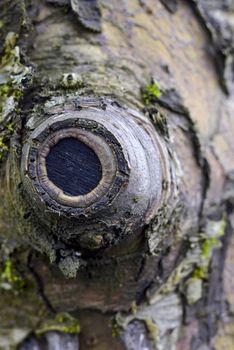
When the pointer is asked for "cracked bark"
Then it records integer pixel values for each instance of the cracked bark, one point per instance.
(167, 286)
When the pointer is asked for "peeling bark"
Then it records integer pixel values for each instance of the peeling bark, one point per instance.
(166, 285)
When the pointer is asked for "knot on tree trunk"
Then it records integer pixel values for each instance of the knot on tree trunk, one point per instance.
(94, 175)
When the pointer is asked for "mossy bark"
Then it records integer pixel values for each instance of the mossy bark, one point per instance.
(160, 60)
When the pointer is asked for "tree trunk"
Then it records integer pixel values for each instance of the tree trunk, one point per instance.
(116, 177)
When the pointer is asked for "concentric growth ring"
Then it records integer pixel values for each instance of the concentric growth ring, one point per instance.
(94, 158)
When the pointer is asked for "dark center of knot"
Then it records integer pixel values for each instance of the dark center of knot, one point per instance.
(73, 167)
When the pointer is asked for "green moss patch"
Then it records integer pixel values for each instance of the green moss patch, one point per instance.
(150, 93)
(63, 322)
(10, 278)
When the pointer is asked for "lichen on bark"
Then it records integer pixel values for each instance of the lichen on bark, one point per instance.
(138, 281)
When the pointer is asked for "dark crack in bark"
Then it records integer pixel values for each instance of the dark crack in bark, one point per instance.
(39, 284)
(89, 14)
(171, 5)
(217, 17)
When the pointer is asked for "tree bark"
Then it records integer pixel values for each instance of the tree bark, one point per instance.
(148, 267)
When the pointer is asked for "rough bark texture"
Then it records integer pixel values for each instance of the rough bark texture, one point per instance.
(169, 286)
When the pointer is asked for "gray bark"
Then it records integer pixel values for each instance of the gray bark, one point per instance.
(168, 284)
